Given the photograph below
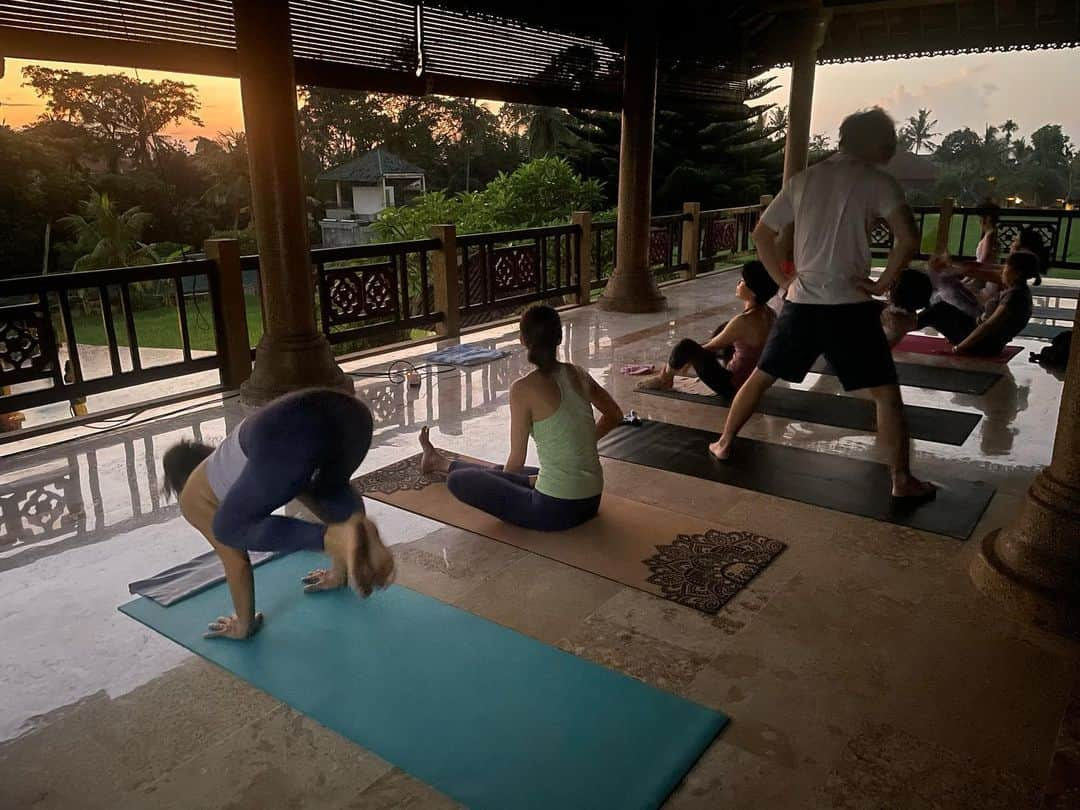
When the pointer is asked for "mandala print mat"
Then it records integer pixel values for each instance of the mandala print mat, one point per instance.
(668, 554)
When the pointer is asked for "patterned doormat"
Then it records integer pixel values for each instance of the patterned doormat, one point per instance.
(664, 553)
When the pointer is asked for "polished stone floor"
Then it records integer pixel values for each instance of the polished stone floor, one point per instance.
(861, 670)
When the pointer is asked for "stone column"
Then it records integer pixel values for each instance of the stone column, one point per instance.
(1032, 566)
(807, 37)
(583, 256)
(292, 353)
(632, 287)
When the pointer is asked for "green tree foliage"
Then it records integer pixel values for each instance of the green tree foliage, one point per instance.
(224, 163)
(997, 165)
(542, 192)
(919, 131)
(717, 157)
(458, 142)
(125, 115)
(107, 237)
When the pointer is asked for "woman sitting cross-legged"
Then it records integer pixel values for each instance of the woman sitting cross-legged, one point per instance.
(554, 404)
(745, 334)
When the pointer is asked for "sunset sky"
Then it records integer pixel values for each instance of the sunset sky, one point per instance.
(1032, 88)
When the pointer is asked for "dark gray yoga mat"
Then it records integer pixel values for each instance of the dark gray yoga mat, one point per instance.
(189, 578)
(931, 424)
(1042, 331)
(844, 484)
(937, 378)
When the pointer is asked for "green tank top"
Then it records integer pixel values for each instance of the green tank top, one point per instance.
(566, 444)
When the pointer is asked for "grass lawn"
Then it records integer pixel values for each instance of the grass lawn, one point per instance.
(159, 328)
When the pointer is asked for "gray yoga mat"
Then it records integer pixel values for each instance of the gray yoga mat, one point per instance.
(936, 378)
(1042, 331)
(931, 424)
(189, 578)
(831, 481)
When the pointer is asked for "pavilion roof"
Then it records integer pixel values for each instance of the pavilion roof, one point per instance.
(557, 52)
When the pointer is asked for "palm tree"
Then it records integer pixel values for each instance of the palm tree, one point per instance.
(920, 131)
(225, 161)
(1021, 151)
(1008, 128)
(778, 122)
(108, 238)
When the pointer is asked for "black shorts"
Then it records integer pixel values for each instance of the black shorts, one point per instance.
(849, 335)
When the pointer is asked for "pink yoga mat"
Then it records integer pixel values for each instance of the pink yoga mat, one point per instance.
(924, 344)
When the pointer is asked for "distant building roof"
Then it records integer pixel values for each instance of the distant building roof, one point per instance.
(370, 168)
(910, 169)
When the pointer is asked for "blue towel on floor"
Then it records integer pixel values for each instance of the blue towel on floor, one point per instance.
(467, 354)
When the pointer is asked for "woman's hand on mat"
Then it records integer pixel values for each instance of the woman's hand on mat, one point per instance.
(232, 627)
(324, 579)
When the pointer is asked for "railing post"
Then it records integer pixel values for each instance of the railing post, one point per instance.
(944, 222)
(230, 312)
(447, 291)
(583, 255)
(691, 239)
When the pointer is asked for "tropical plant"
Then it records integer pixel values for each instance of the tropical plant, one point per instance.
(107, 237)
(919, 130)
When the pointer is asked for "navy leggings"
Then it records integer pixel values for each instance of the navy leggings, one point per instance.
(305, 444)
(510, 497)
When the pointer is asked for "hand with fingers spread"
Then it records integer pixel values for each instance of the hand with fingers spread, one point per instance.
(232, 627)
(324, 579)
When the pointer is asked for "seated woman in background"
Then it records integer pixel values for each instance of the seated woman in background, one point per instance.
(554, 404)
(745, 334)
(988, 335)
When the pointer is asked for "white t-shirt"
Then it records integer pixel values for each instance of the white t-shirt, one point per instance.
(225, 465)
(833, 204)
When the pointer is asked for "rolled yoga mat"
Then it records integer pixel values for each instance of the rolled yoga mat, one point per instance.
(844, 484)
(927, 344)
(931, 424)
(486, 715)
(667, 554)
(935, 378)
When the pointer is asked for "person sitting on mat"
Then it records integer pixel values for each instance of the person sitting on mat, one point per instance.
(554, 403)
(306, 446)
(989, 333)
(829, 308)
(745, 334)
(901, 314)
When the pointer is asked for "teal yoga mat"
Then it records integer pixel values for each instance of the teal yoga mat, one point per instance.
(488, 716)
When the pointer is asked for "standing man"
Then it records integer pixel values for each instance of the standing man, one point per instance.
(829, 310)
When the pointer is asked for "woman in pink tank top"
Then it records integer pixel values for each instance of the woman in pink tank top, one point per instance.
(742, 339)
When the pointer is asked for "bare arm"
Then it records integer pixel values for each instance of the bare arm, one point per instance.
(728, 336)
(199, 510)
(520, 425)
(905, 246)
(980, 330)
(611, 415)
(767, 243)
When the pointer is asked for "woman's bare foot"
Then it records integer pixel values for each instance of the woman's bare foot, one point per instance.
(720, 450)
(360, 558)
(433, 460)
(659, 382)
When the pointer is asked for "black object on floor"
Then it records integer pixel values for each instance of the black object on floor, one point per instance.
(845, 484)
(931, 424)
(936, 378)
